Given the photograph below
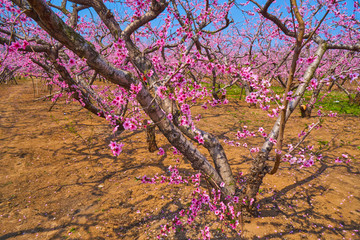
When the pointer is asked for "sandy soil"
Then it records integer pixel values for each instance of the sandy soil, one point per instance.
(58, 179)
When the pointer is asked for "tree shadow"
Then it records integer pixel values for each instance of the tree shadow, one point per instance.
(308, 219)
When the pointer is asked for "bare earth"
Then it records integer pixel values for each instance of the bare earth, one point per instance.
(58, 179)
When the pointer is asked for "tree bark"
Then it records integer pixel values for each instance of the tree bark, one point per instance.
(314, 97)
(259, 168)
(151, 138)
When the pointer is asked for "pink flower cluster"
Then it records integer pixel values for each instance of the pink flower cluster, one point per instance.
(344, 158)
(116, 148)
(201, 202)
(244, 133)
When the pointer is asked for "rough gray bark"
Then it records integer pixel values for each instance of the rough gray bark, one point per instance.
(56, 28)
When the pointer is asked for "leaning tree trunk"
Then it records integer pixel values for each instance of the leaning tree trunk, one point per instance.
(259, 168)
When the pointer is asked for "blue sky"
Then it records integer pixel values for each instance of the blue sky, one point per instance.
(238, 14)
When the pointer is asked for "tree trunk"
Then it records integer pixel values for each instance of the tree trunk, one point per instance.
(259, 168)
(314, 97)
(356, 99)
(303, 110)
(258, 171)
(150, 138)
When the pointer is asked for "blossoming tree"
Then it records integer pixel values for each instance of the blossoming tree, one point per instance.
(156, 70)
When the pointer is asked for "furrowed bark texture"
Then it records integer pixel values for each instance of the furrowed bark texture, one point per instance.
(56, 28)
(144, 65)
(212, 144)
(176, 138)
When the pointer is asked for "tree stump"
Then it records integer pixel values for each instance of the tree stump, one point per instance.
(303, 110)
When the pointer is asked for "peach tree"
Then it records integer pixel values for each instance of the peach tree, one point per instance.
(159, 58)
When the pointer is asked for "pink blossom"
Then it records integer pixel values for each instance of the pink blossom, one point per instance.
(204, 106)
(133, 127)
(15, 46)
(310, 59)
(206, 233)
(127, 124)
(161, 151)
(71, 62)
(185, 108)
(136, 88)
(274, 141)
(332, 114)
(252, 150)
(160, 91)
(116, 148)
(25, 44)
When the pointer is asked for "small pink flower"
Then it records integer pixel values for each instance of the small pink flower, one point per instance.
(116, 148)
(25, 43)
(133, 127)
(112, 145)
(161, 151)
(136, 88)
(72, 62)
(127, 125)
(310, 59)
(15, 46)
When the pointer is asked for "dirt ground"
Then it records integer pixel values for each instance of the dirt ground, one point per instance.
(58, 179)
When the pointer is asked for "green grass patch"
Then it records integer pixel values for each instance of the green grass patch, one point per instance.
(338, 102)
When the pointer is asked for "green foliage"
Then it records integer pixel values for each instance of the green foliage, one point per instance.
(234, 91)
(338, 102)
(323, 144)
(278, 89)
